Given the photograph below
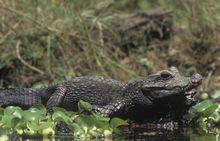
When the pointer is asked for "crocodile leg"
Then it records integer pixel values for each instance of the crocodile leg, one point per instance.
(112, 108)
(57, 97)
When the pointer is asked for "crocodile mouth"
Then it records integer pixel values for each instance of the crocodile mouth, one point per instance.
(191, 92)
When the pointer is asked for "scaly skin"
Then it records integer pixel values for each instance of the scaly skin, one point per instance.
(109, 97)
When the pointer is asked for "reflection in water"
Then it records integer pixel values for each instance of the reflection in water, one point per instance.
(149, 132)
(167, 132)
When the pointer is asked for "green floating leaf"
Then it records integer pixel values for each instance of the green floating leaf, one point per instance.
(34, 114)
(48, 131)
(84, 106)
(9, 121)
(85, 121)
(11, 109)
(206, 107)
(216, 94)
(12, 115)
(61, 116)
(40, 126)
(101, 122)
(116, 122)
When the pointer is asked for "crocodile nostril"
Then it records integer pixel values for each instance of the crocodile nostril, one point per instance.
(196, 79)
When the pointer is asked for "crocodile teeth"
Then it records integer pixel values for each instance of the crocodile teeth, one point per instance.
(191, 92)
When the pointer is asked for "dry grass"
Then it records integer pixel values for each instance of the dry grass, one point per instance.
(58, 40)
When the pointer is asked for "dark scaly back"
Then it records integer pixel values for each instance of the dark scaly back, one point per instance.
(93, 89)
(23, 97)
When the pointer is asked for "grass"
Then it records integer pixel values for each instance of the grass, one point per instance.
(48, 41)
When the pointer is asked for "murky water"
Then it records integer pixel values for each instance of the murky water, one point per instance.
(166, 135)
(139, 134)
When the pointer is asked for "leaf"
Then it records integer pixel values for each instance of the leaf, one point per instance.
(48, 131)
(84, 106)
(216, 94)
(85, 121)
(34, 114)
(100, 122)
(61, 116)
(206, 107)
(38, 85)
(37, 127)
(116, 122)
(12, 115)
(9, 121)
(11, 109)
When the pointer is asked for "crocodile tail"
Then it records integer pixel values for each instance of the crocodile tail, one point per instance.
(23, 97)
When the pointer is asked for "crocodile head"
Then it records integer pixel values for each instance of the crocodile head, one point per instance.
(168, 83)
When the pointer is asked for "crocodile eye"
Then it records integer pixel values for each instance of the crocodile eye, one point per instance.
(165, 75)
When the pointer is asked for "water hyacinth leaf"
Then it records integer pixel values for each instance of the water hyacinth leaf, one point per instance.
(85, 120)
(207, 112)
(216, 116)
(9, 121)
(20, 125)
(101, 122)
(40, 108)
(37, 127)
(216, 94)
(33, 114)
(205, 107)
(11, 109)
(48, 131)
(101, 118)
(12, 115)
(89, 122)
(116, 122)
(29, 132)
(61, 116)
(77, 129)
(84, 106)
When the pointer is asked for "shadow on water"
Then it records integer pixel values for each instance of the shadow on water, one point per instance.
(183, 134)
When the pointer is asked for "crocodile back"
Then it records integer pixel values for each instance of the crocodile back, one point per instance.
(95, 90)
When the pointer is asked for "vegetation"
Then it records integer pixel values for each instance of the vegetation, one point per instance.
(37, 122)
(206, 114)
(86, 124)
(48, 41)
(44, 42)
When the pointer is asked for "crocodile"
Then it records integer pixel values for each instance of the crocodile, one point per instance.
(108, 97)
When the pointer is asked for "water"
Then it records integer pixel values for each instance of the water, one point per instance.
(184, 134)
(139, 134)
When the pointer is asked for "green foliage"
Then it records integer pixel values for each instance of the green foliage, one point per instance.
(74, 38)
(36, 121)
(206, 114)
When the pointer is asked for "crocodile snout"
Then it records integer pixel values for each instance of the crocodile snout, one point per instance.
(196, 79)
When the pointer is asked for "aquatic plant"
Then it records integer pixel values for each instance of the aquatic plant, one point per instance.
(36, 121)
(206, 114)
